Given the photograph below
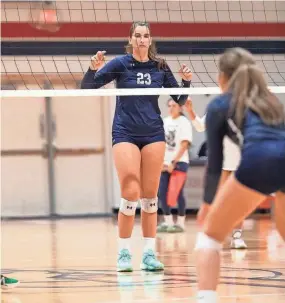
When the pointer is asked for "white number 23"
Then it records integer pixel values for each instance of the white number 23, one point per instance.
(143, 78)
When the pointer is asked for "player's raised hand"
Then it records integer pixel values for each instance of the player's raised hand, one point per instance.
(98, 60)
(188, 106)
(185, 73)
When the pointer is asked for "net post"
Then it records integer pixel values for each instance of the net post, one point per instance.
(50, 148)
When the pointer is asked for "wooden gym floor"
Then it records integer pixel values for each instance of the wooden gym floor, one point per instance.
(74, 260)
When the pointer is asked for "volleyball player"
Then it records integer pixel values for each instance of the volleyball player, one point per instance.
(253, 118)
(231, 161)
(138, 135)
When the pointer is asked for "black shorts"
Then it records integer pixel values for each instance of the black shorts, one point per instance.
(139, 141)
(262, 167)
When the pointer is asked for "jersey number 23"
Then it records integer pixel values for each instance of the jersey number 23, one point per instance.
(143, 78)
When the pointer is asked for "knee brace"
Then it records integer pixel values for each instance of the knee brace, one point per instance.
(128, 208)
(149, 205)
(205, 242)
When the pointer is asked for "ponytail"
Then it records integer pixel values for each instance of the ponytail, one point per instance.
(249, 89)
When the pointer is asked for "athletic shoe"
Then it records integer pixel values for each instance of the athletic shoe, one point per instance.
(162, 228)
(8, 282)
(175, 229)
(124, 263)
(150, 262)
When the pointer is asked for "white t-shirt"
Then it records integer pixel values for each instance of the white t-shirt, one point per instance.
(231, 150)
(176, 131)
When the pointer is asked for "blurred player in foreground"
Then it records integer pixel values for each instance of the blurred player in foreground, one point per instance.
(253, 118)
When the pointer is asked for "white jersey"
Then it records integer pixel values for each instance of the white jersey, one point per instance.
(176, 131)
(231, 150)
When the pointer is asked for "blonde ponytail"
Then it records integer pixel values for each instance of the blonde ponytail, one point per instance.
(249, 89)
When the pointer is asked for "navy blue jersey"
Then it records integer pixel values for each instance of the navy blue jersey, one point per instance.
(135, 115)
(219, 123)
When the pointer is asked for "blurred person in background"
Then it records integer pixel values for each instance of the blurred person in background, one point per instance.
(178, 134)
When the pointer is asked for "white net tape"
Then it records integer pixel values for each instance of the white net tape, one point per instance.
(123, 92)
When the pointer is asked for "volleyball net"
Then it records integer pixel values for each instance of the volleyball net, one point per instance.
(47, 45)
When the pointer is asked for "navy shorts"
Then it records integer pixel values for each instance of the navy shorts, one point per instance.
(262, 167)
(139, 141)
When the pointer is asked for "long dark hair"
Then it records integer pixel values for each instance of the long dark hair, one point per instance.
(249, 88)
(152, 52)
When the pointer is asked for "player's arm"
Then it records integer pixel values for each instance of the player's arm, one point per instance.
(99, 74)
(198, 122)
(185, 141)
(170, 81)
(216, 130)
(184, 145)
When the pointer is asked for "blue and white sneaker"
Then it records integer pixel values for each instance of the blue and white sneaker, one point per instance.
(150, 262)
(124, 263)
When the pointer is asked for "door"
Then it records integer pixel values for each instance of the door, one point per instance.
(79, 163)
(24, 164)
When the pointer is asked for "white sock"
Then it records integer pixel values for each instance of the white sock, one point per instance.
(124, 243)
(168, 220)
(207, 296)
(149, 243)
(181, 221)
